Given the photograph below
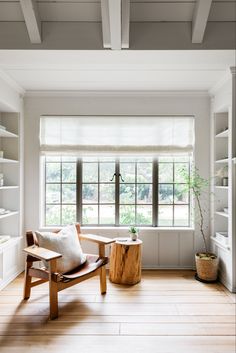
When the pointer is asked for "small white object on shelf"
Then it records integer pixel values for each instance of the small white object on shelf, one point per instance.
(226, 210)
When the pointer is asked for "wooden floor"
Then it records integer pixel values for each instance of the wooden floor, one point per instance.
(167, 312)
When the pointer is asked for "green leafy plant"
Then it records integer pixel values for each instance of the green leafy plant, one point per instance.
(198, 186)
(133, 230)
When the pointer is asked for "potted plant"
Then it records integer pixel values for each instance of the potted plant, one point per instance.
(133, 233)
(206, 262)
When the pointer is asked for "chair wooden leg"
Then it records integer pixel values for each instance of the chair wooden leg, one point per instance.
(27, 281)
(103, 280)
(53, 292)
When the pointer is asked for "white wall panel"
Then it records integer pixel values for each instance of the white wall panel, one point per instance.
(168, 249)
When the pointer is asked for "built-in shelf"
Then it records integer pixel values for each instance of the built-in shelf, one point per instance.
(6, 160)
(222, 161)
(224, 133)
(234, 160)
(10, 242)
(8, 187)
(5, 133)
(223, 246)
(221, 187)
(13, 213)
(223, 214)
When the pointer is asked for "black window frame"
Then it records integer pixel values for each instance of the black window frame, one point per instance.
(117, 176)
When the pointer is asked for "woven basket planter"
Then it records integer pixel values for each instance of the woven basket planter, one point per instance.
(207, 267)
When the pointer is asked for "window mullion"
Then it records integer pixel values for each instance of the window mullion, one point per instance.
(117, 192)
(79, 167)
(155, 185)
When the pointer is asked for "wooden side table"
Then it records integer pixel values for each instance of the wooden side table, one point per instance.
(125, 261)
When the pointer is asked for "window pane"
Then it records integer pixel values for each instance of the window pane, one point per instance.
(107, 214)
(166, 159)
(107, 193)
(179, 168)
(165, 194)
(165, 216)
(181, 216)
(53, 172)
(127, 193)
(144, 172)
(68, 214)
(182, 159)
(53, 192)
(107, 171)
(144, 193)
(144, 215)
(53, 215)
(68, 193)
(68, 159)
(53, 158)
(69, 172)
(181, 194)
(165, 173)
(90, 214)
(90, 193)
(127, 215)
(90, 172)
(127, 170)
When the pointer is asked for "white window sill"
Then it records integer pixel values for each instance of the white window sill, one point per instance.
(94, 228)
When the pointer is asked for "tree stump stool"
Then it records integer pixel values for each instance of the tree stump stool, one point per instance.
(125, 261)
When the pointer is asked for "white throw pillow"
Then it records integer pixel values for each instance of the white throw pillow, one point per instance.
(67, 244)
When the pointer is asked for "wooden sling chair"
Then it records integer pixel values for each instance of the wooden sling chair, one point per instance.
(94, 265)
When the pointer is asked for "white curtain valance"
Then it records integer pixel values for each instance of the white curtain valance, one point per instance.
(116, 134)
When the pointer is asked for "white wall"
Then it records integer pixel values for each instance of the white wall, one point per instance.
(162, 248)
(10, 100)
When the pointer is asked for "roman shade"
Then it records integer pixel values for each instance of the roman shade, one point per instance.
(84, 135)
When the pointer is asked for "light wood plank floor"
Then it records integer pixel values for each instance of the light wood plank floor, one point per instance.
(169, 311)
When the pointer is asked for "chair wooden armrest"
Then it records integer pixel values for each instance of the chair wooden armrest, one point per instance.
(96, 239)
(42, 253)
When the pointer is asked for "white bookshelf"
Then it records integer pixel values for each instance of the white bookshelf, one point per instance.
(10, 197)
(222, 229)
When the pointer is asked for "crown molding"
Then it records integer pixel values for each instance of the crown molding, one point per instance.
(12, 83)
(120, 93)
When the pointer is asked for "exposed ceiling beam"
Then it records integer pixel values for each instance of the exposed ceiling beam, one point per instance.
(115, 23)
(32, 20)
(125, 20)
(200, 17)
(105, 24)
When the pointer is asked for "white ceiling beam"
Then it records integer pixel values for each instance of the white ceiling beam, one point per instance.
(125, 20)
(200, 18)
(32, 20)
(115, 23)
(105, 24)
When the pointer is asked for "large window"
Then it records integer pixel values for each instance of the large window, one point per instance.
(116, 192)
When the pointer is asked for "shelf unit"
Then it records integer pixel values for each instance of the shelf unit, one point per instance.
(223, 232)
(10, 197)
